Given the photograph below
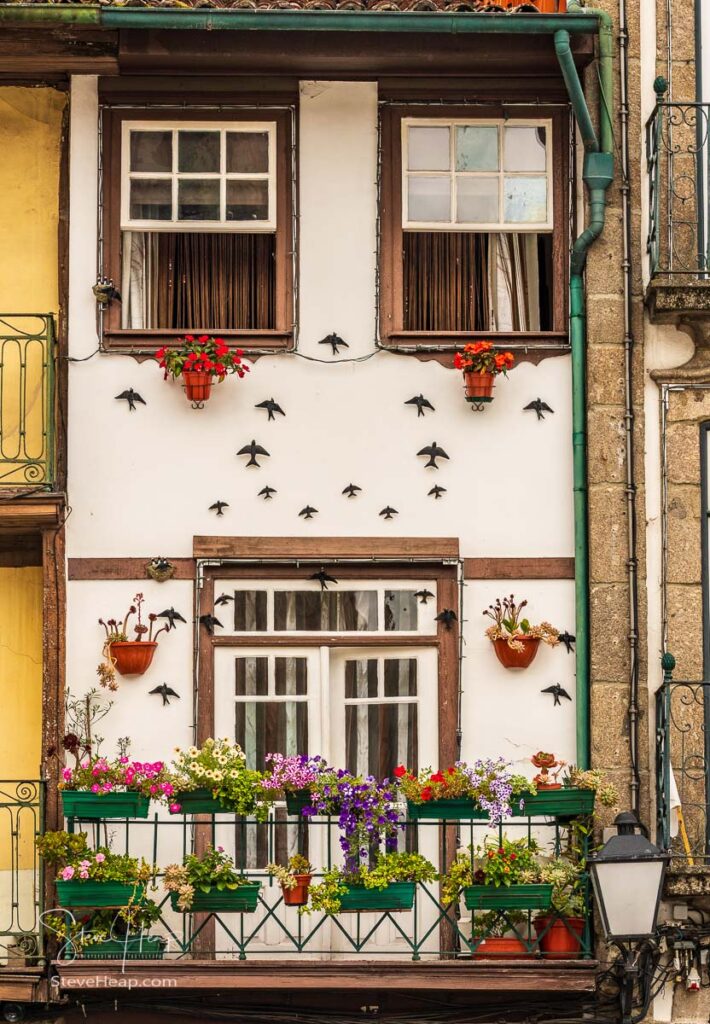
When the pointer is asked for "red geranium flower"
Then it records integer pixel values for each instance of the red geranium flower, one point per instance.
(400, 771)
(427, 793)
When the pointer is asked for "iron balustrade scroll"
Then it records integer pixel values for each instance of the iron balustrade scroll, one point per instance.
(683, 767)
(27, 382)
(677, 166)
(431, 930)
(21, 888)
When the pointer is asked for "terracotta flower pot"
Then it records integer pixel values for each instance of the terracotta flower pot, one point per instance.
(496, 948)
(542, 786)
(297, 897)
(543, 6)
(198, 386)
(132, 657)
(479, 386)
(510, 658)
(562, 940)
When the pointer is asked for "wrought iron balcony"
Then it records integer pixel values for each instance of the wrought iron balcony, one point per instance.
(21, 821)
(27, 435)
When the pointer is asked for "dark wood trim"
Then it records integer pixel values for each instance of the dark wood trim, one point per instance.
(19, 550)
(391, 317)
(365, 570)
(324, 640)
(123, 568)
(518, 568)
(38, 512)
(272, 975)
(54, 668)
(326, 548)
(61, 362)
(281, 337)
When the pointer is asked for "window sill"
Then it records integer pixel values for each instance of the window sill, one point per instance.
(147, 342)
(419, 341)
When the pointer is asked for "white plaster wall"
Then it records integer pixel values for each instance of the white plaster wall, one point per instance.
(140, 483)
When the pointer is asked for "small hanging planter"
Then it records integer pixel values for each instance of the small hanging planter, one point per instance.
(298, 895)
(132, 657)
(479, 386)
(199, 362)
(481, 363)
(516, 657)
(515, 640)
(129, 657)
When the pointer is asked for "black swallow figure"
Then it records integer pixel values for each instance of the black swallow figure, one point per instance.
(568, 640)
(323, 578)
(308, 512)
(218, 506)
(172, 616)
(266, 492)
(223, 599)
(557, 691)
(436, 491)
(252, 450)
(434, 452)
(131, 397)
(272, 407)
(421, 403)
(165, 691)
(209, 622)
(423, 595)
(351, 490)
(447, 617)
(388, 512)
(334, 341)
(540, 407)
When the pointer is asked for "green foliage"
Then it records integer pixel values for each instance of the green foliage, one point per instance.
(508, 624)
(220, 766)
(326, 895)
(74, 860)
(504, 864)
(213, 870)
(100, 925)
(62, 847)
(567, 883)
(494, 925)
(594, 778)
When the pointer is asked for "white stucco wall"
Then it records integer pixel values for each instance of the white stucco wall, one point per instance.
(140, 483)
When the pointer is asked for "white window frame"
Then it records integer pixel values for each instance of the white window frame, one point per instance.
(183, 226)
(501, 225)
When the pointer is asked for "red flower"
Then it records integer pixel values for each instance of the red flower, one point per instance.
(427, 793)
(400, 771)
(450, 771)
(160, 354)
(437, 777)
(202, 339)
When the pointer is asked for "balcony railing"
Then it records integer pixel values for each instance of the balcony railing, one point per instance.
(21, 821)
(430, 930)
(677, 162)
(27, 449)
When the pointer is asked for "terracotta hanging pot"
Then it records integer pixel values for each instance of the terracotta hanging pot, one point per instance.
(132, 657)
(511, 658)
(562, 940)
(496, 948)
(198, 386)
(479, 386)
(543, 786)
(298, 896)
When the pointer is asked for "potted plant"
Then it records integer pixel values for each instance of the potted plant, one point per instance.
(514, 639)
(387, 887)
(129, 657)
(294, 879)
(560, 934)
(496, 876)
(293, 776)
(550, 769)
(215, 777)
(495, 936)
(486, 789)
(481, 363)
(97, 788)
(210, 883)
(93, 878)
(574, 797)
(200, 361)
(109, 934)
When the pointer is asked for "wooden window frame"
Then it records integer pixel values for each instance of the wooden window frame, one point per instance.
(281, 337)
(391, 298)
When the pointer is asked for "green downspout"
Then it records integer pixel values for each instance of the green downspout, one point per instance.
(597, 174)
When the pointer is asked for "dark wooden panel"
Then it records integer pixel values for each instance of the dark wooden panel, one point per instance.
(46, 52)
(518, 568)
(37, 512)
(326, 547)
(20, 549)
(295, 639)
(123, 568)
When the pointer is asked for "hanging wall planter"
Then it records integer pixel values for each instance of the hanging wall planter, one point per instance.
(515, 640)
(198, 386)
(479, 386)
(520, 656)
(481, 363)
(199, 362)
(130, 657)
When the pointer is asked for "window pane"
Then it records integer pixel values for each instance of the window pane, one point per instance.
(429, 149)
(152, 151)
(360, 678)
(251, 677)
(247, 200)
(262, 727)
(400, 677)
(249, 611)
(198, 152)
(313, 611)
(525, 200)
(430, 199)
(290, 677)
(525, 149)
(400, 609)
(247, 152)
(151, 199)
(477, 201)
(198, 200)
(477, 148)
(378, 737)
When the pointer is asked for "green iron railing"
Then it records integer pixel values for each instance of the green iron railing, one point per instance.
(27, 435)
(430, 930)
(21, 890)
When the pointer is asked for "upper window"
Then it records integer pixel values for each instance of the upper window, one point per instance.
(472, 237)
(198, 230)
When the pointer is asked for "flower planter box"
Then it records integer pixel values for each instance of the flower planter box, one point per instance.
(80, 893)
(78, 804)
(560, 938)
(567, 802)
(234, 901)
(457, 809)
(297, 800)
(132, 657)
(511, 897)
(198, 801)
(496, 948)
(136, 947)
(395, 896)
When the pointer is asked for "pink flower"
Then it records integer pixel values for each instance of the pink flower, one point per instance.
(123, 760)
(66, 774)
(95, 788)
(100, 858)
(220, 849)
(68, 873)
(174, 808)
(84, 863)
(83, 874)
(153, 789)
(168, 788)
